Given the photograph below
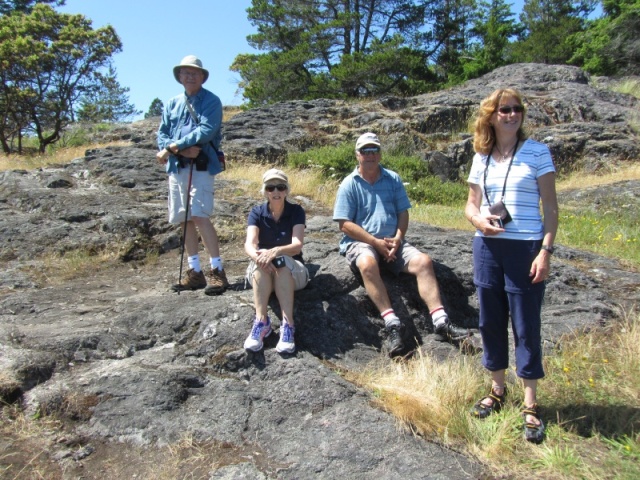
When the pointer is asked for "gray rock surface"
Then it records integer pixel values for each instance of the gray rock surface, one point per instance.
(585, 126)
(146, 366)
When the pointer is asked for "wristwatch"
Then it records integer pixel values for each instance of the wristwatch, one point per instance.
(548, 249)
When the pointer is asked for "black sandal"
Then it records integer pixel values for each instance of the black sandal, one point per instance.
(532, 432)
(480, 410)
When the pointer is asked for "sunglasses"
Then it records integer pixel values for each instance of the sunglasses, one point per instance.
(506, 110)
(369, 150)
(271, 188)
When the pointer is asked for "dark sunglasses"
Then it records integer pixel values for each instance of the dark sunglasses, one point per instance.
(371, 150)
(505, 110)
(271, 188)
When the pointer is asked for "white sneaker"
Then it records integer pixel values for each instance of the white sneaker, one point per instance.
(286, 343)
(259, 332)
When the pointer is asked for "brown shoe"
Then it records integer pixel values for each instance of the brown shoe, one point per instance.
(217, 282)
(192, 281)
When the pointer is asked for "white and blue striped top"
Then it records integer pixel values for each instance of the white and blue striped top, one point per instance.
(522, 196)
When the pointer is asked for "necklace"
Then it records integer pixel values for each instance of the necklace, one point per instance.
(508, 153)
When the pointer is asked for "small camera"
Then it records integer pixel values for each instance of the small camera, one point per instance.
(279, 262)
(497, 222)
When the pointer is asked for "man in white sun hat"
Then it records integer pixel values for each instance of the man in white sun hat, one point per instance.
(188, 139)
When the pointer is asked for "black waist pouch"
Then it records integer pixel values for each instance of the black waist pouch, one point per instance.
(202, 162)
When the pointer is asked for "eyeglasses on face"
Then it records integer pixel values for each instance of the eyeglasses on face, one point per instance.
(506, 110)
(270, 188)
(189, 74)
(369, 150)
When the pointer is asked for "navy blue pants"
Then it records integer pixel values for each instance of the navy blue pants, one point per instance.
(501, 276)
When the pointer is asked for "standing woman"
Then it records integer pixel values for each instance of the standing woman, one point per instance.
(512, 247)
(275, 234)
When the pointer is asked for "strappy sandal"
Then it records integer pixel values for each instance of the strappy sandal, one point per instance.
(532, 432)
(480, 410)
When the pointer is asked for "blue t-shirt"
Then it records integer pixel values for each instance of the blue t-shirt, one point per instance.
(373, 207)
(276, 234)
(522, 195)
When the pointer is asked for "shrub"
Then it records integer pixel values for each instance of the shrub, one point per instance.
(336, 162)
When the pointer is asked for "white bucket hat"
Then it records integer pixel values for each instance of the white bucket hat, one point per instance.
(193, 62)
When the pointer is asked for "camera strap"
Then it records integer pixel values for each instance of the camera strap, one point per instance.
(486, 171)
(195, 119)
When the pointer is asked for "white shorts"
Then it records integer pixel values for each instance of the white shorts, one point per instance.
(201, 197)
(298, 271)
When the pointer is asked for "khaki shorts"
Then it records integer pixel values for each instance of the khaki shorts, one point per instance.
(298, 271)
(404, 255)
(201, 197)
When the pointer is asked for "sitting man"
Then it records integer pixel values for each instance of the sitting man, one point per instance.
(372, 210)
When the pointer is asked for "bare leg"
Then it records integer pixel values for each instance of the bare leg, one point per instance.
(208, 234)
(191, 239)
(530, 389)
(284, 291)
(422, 267)
(262, 288)
(373, 283)
(497, 385)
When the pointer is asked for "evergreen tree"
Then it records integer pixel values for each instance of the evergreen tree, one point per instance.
(547, 27)
(611, 44)
(155, 109)
(106, 100)
(493, 27)
(24, 6)
(39, 91)
(306, 40)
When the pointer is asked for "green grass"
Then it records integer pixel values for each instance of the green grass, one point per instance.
(628, 86)
(611, 235)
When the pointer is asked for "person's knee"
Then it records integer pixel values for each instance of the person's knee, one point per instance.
(368, 266)
(422, 264)
(200, 221)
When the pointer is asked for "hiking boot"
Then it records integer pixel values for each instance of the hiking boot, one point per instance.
(259, 332)
(286, 343)
(217, 282)
(393, 342)
(192, 281)
(450, 333)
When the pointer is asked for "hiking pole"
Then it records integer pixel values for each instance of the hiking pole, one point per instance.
(186, 216)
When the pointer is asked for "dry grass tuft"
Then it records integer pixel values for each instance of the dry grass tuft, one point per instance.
(430, 396)
(307, 183)
(581, 180)
(589, 399)
(59, 156)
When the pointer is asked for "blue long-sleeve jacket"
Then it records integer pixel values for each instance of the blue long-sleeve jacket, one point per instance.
(208, 109)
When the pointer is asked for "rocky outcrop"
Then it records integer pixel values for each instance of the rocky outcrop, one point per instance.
(585, 126)
(147, 366)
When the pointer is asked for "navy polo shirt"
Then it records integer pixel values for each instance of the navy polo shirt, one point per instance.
(276, 234)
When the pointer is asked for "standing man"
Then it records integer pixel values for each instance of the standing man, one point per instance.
(190, 131)
(372, 210)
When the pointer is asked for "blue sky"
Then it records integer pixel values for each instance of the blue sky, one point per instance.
(157, 34)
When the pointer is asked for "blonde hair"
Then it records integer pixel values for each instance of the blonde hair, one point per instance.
(484, 135)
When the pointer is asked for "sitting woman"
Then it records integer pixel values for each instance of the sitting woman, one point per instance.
(275, 234)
